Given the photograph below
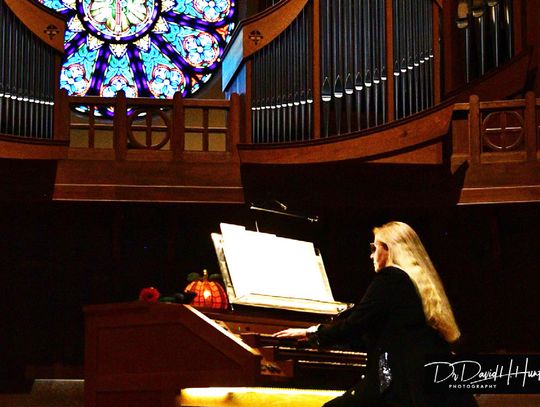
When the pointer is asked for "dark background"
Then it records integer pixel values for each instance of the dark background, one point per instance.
(59, 256)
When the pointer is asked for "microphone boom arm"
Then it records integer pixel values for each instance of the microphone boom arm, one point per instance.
(292, 215)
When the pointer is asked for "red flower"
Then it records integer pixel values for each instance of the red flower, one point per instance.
(149, 294)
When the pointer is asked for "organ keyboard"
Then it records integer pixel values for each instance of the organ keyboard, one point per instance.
(145, 354)
(296, 363)
(149, 354)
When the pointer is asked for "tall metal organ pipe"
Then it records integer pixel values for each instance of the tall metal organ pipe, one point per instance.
(27, 81)
(282, 101)
(487, 29)
(353, 69)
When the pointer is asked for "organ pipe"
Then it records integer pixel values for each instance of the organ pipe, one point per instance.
(353, 64)
(486, 26)
(26, 80)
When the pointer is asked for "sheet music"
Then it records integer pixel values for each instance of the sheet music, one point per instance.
(265, 264)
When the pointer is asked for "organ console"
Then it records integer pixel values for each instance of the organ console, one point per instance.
(159, 354)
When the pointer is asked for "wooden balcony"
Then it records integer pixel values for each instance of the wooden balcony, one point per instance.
(186, 151)
(481, 140)
(154, 150)
(496, 143)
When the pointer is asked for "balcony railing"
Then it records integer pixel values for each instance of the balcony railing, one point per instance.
(152, 129)
(491, 132)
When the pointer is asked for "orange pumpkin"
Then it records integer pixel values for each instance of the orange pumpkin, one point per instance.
(209, 294)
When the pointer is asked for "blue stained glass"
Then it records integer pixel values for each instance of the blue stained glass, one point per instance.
(169, 45)
(76, 73)
(207, 10)
(198, 48)
(56, 5)
(213, 10)
(119, 76)
(202, 80)
(181, 7)
(226, 32)
(69, 35)
(166, 81)
(118, 20)
(185, 7)
(163, 77)
(201, 48)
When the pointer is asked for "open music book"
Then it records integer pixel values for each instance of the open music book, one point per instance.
(266, 270)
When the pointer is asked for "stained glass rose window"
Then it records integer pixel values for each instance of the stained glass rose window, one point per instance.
(147, 48)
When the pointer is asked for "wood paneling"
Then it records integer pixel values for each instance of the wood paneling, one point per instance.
(255, 33)
(390, 140)
(135, 348)
(24, 148)
(44, 23)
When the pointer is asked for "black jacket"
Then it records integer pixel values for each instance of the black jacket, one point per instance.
(389, 320)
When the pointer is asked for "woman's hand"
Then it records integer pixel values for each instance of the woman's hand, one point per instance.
(299, 333)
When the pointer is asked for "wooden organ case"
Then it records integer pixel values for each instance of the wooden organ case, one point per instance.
(160, 354)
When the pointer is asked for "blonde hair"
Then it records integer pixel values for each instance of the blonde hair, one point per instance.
(406, 251)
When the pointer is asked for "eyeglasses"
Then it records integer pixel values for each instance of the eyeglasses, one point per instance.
(373, 247)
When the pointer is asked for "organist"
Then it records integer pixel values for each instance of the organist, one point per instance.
(403, 316)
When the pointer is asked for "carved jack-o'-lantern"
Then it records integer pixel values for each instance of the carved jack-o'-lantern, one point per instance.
(209, 294)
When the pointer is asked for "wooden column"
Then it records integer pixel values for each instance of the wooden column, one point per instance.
(247, 102)
(61, 110)
(92, 127)
(178, 126)
(451, 51)
(316, 36)
(436, 54)
(474, 129)
(62, 116)
(519, 27)
(120, 126)
(205, 134)
(533, 33)
(233, 125)
(390, 111)
(531, 141)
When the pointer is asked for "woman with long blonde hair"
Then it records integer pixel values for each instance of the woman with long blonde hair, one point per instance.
(403, 317)
(406, 251)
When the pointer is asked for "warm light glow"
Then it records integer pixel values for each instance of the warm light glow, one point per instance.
(263, 263)
(271, 271)
(250, 396)
(208, 294)
(225, 391)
